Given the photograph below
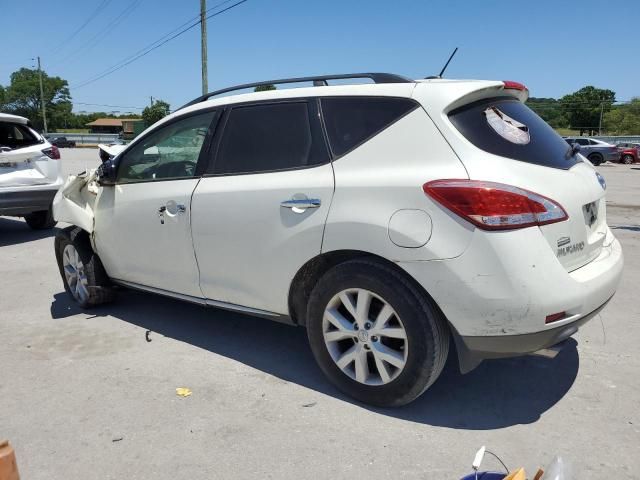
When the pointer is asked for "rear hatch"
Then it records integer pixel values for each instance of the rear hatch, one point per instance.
(25, 158)
(499, 139)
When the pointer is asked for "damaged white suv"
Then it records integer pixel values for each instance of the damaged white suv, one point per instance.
(29, 172)
(387, 218)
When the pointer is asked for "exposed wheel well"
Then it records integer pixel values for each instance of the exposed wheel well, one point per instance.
(309, 274)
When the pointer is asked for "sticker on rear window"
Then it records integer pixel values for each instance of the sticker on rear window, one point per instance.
(507, 127)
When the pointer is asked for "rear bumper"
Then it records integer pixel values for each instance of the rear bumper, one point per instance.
(497, 295)
(28, 200)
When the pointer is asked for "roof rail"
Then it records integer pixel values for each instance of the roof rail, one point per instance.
(318, 81)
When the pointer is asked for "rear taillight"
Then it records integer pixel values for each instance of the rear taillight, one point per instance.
(494, 206)
(52, 152)
(510, 85)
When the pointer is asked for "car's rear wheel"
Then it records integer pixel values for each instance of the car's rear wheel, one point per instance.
(596, 158)
(41, 220)
(627, 159)
(374, 334)
(82, 272)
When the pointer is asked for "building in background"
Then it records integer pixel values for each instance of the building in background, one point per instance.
(128, 127)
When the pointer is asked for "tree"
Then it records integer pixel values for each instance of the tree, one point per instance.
(155, 112)
(550, 111)
(22, 97)
(264, 88)
(624, 119)
(583, 108)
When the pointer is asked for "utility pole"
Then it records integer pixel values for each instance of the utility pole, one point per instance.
(151, 98)
(203, 45)
(601, 111)
(42, 103)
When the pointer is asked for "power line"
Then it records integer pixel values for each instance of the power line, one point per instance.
(104, 105)
(155, 46)
(100, 35)
(100, 7)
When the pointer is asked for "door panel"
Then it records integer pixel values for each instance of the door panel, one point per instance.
(138, 243)
(249, 246)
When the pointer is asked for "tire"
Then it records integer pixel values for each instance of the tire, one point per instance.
(74, 254)
(41, 220)
(596, 159)
(627, 159)
(424, 348)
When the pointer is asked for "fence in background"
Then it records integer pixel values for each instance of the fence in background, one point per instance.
(88, 138)
(619, 139)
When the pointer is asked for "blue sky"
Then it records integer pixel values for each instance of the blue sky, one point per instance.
(554, 47)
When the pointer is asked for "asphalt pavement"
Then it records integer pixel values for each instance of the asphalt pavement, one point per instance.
(92, 394)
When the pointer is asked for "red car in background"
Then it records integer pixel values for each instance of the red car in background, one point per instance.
(629, 152)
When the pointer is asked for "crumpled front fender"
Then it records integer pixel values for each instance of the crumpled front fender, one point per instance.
(75, 200)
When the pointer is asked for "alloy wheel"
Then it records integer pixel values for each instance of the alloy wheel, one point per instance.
(365, 336)
(75, 274)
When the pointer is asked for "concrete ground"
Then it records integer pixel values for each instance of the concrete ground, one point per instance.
(85, 395)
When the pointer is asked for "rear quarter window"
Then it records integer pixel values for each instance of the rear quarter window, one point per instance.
(543, 146)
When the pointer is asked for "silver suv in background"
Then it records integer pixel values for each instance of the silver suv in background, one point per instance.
(29, 172)
(596, 151)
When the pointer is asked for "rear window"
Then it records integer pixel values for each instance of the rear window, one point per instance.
(14, 136)
(350, 121)
(508, 128)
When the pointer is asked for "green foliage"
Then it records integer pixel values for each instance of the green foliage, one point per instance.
(624, 119)
(549, 110)
(264, 88)
(22, 97)
(155, 112)
(582, 108)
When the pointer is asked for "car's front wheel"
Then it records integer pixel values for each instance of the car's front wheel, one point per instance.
(374, 334)
(82, 272)
(627, 159)
(41, 220)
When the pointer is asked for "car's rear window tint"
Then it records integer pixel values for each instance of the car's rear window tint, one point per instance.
(515, 132)
(14, 135)
(350, 121)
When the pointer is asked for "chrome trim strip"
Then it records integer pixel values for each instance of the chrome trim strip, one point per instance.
(200, 301)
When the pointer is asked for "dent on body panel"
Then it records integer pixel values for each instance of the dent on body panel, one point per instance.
(75, 201)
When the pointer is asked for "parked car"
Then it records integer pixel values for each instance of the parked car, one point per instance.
(629, 152)
(385, 217)
(596, 151)
(29, 172)
(62, 142)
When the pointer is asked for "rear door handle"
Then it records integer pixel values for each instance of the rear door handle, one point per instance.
(301, 204)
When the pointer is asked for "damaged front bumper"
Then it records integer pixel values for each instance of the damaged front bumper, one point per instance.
(74, 202)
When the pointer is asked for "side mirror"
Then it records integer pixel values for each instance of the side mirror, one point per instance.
(106, 173)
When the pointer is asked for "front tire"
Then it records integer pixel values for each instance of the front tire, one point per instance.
(41, 220)
(627, 159)
(374, 334)
(82, 273)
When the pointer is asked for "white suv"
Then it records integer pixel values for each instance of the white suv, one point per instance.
(387, 218)
(29, 172)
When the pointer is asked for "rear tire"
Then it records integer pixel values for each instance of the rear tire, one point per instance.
(411, 361)
(82, 273)
(627, 159)
(596, 159)
(41, 220)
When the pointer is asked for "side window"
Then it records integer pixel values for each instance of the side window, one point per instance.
(14, 135)
(352, 120)
(268, 137)
(582, 141)
(169, 153)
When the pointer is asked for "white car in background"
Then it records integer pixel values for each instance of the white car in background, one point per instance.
(30, 172)
(387, 218)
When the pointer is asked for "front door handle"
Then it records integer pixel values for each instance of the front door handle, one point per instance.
(301, 204)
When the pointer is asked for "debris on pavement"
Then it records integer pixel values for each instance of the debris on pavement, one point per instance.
(183, 392)
(116, 439)
(146, 335)
(312, 404)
